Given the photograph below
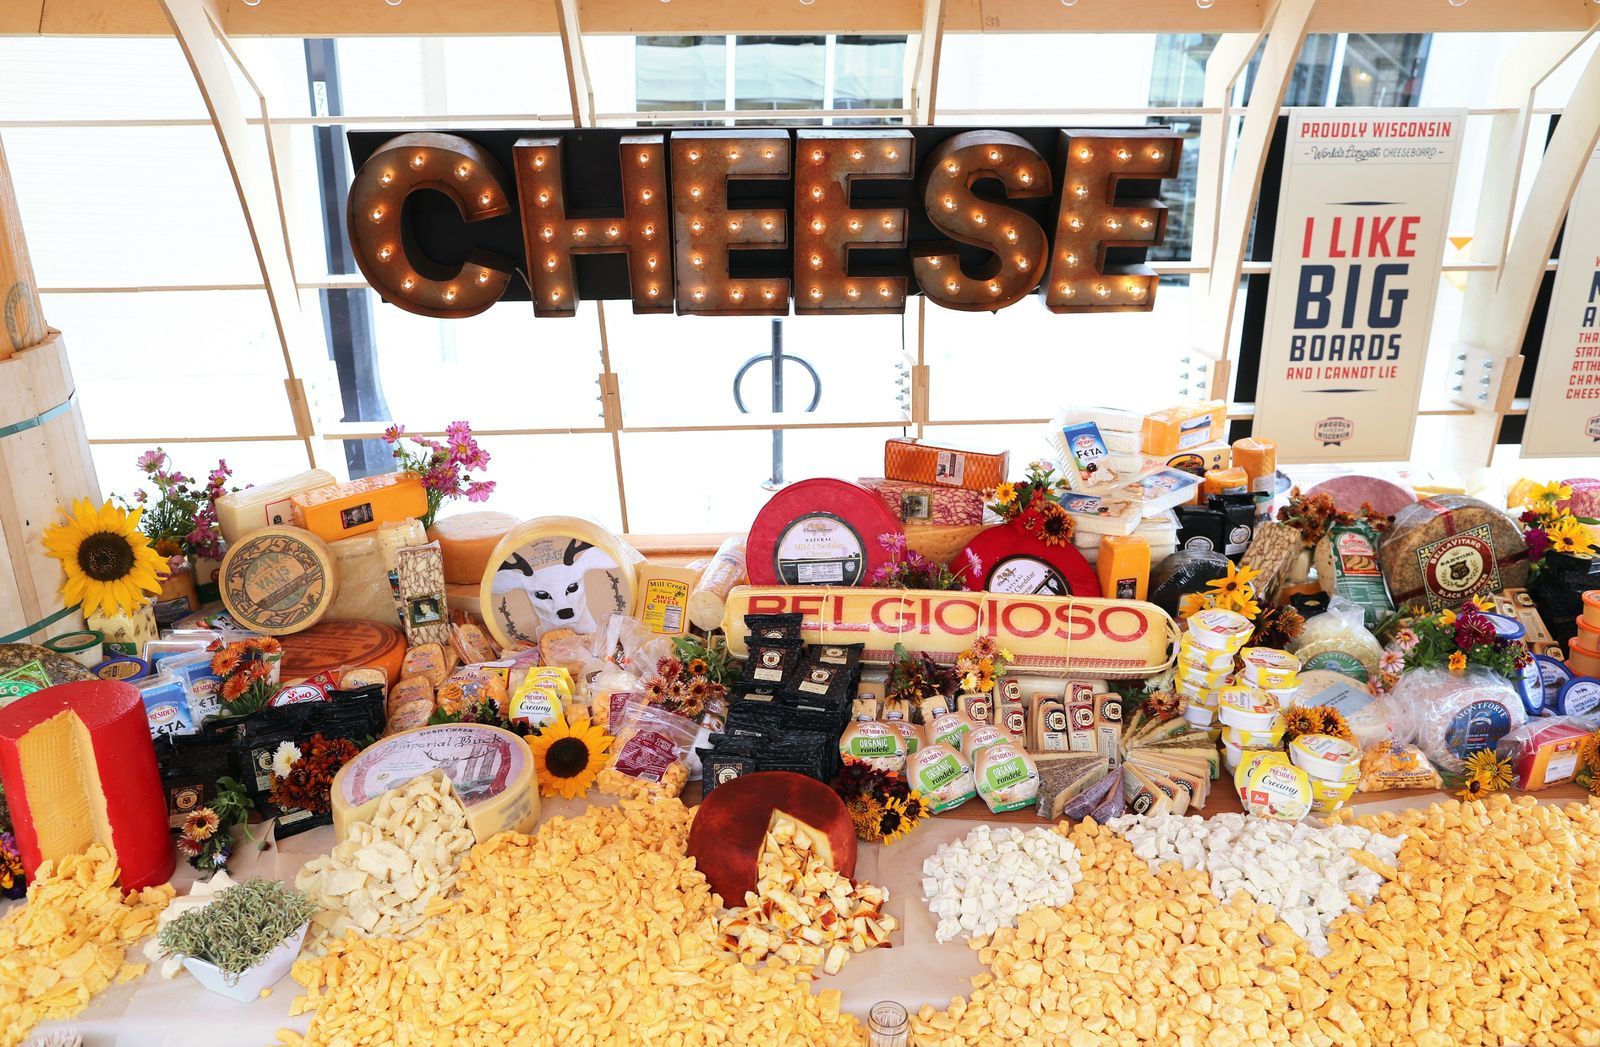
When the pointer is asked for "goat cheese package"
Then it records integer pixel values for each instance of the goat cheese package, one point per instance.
(555, 572)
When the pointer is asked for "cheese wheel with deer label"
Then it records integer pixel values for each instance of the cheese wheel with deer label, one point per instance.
(555, 572)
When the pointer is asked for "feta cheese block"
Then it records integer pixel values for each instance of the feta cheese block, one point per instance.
(266, 505)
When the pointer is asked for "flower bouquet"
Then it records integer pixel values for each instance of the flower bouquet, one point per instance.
(249, 672)
(909, 569)
(1036, 503)
(443, 467)
(302, 778)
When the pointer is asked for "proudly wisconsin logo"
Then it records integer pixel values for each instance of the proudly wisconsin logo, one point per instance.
(1591, 428)
(1333, 431)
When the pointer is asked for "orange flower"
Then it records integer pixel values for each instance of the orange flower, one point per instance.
(1458, 661)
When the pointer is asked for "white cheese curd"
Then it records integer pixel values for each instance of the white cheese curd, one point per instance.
(986, 879)
(1303, 870)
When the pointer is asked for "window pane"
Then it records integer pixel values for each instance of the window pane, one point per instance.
(466, 75)
(1041, 70)
(869, 72)
(678, 371)
(779, 72)
(278, 66)
(1383, 69)
(252, 463)
(89, 78)
(184, 363)
(126, 206)
(680, 73)
(536, 475)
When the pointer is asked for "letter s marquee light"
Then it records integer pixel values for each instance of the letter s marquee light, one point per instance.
(736, 222)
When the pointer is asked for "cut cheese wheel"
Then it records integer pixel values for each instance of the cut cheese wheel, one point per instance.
(79, 769)
(467, 542)
(279, 580)
(555, 572)
(729, 827)
(1015, 561)
(941, 542)
(821, 531)
(266, 505)
(331, 646)
(490, 769)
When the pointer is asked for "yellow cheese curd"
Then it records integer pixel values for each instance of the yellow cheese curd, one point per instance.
(1488, 932)
(595, 930)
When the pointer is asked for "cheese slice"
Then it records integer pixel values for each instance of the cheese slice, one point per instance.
(278, 580)
(266, 505)
(491, 770)
(359, 506)
(467, 541)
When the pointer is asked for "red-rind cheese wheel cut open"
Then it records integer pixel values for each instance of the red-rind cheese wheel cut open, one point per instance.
(820, 532)
(79, 769)
(1017, 562)
(729, 827)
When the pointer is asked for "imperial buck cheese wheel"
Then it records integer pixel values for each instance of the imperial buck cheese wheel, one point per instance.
(555, 572)
(821, 531)
(467, 542)
(278, 580)
(1015, 561)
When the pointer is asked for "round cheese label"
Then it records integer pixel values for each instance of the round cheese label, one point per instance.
(1553, 675)
(820, 549)
(481, 762)
(1579, 697)
(278, 580)
(555, 573)
(1479, 725)
(1458, 566)
(1024, 574)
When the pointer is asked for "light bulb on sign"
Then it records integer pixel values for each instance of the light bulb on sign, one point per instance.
(408, 283)
(1025, 178)
(852, 293)
(1102, 290)
(547, 233)
(483, 277)
(699, 294)
(694, 191)
(544, 197)
(698, 261)
(694, 154)
(485, 199)
(952, 286)
(1142, 223)
(644, 159)
(818, 225)
(994, 156)
(1085, 153)
(1022, 263)
(885, 291)
(888, 224)
(816, 156)
(652, 290)
(377, 214)
(994, 288)
(393, 3)
(418, 160)
(581, 232)
(951, 166)
(387, 178)
(935, 261)
(856, 154)
(650, 263)
(450, 294)
(766, 154)
(1068, 292)
(555, 296)
(768, 293)
(646, 195)
(733, 226)
(612, 231)
(816, 192)
(1204, 5)
(736, 294)
(816, 261)
(462, 171)
(551, 262)
(1011, 236)
(816, 294)
(949, 203)
(855, 225)
(733, 154)
(697, 226)
(894, 154)
(385, 253)
(978, 218)
(767, 224)
(1135, 290)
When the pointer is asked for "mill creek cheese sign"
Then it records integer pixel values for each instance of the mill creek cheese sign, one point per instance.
(1360, 238)
(742, 221)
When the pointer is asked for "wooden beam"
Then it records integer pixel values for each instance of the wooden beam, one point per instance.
(1285, 33)
(22, 323)
(194, 23)
(713, 17)
(578, 85)
(925, 78)
(1226, 63)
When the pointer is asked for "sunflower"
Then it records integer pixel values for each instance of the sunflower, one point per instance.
(1474, 787)
(108, 563)
(567, 757)
(1458, 661)
(698, 667)
(201, 824)
(1495, 772)
(1057, 528)
(1302, 719)
(1569, 536)
(1483, 602)
(1334, 723)
(1234, 588)
(1447, 617)
(866, 815)
(1191, 603)
(1550, 493)
(899, 817)
(1005, 493)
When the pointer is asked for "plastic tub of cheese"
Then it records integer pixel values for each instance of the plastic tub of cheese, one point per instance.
(1277, 790)
(1216, 629)
(1327, 797)
(1247, 708)
(1234, 755)
(1194, 656)
(1591, 606)
(1194, 692)
(1269, 668)
(1271, 738)
(1326, 757)
(1202, 677)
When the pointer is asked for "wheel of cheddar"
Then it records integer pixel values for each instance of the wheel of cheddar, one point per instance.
(820, 532)
(729, 827)
(1015, 561)
(555, 572)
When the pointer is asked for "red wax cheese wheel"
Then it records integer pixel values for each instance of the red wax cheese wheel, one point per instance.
(467, 542)
(1015, 561)
(725, 839)
(820, 532)
(337, 645)
(79, 769)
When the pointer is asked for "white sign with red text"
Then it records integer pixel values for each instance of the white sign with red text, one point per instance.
(1564, 414)
(1362, 218)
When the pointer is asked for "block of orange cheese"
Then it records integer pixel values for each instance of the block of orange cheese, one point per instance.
(925, 463)
(466, 542)
(359, 506)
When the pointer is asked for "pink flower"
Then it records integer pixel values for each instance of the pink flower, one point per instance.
(1405, 639)
(393, 433)
(442, 479)
(894, 544)
(141, 496)
(1392, 662)
(151, 461)
(458, 433)
(480, 490)
(974, 568)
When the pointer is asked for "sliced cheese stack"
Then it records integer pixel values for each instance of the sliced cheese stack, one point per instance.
(266, 505)
(1119, 431)
(1167, 766)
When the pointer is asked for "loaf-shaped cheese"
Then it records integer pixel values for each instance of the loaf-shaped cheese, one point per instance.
(359, 506)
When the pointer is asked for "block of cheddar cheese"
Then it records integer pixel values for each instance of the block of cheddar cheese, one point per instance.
(79, 769)
(912, 460)
(266, 505)
(359, 506)
(467, 541)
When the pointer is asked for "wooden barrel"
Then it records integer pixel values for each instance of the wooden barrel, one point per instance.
(44, 464)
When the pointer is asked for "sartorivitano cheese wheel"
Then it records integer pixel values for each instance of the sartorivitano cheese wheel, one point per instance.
(278, 580)
(79, 769)
(555, 572)
(1015, 561)
(491, 770)
(729, 827)
(821, 531)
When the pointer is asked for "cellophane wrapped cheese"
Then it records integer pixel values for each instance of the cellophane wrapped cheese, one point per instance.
(1005, 776)
(942, 775)
(1452, 715)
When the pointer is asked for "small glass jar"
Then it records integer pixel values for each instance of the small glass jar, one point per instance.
(888, 1025)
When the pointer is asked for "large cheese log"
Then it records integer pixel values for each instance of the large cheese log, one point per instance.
(725, 839)
(1442, 551)
(79, 769)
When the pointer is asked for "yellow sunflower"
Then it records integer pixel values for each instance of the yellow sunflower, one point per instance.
(1567, 535)
(1483, 602)
(896, 821)
(1589, 751)
(567, 759)
(1474, 787)
(1447, 617)
(1005, 493)
(1549, 493)
(1495, 772)
(1234, 591)
(108, 563)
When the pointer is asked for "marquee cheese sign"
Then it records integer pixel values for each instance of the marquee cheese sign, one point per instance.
(1049, 634)
(1360, 238)
(741, 221)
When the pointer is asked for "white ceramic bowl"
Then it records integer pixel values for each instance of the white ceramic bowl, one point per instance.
(247, 988)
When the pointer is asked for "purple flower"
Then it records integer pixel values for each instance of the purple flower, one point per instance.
(974, 565)
(458, 433)
(480, 490)
(442, 479)
(151, 461)
(141, 496)
(393, 433)
(178, 478)
(1538, 542)
(894, 544)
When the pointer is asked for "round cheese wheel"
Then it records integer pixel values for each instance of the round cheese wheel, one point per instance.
(52, 668)
(1017, 562)
(821, 531)
(343, 645)
(554, 572)
(278, 580)
(467, 542)
(725, 839)
(491, 770)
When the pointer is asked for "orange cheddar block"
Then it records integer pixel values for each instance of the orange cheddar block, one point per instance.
(925, 463)
(359, 506)
(1184, 427)
(1124, 566)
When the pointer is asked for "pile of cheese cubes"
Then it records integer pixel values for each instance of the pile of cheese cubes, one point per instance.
(988, 878)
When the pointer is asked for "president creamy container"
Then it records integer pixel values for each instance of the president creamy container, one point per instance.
(1326, 757)
(1271, 738)
(1269, 668)
(1218, 630)
(1247, 708)
(1194, 656)
(1327, 797)
(1203, 677)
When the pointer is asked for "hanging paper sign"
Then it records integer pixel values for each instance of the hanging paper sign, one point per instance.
(1564, 414)
(1059, 635)
(1361, 232)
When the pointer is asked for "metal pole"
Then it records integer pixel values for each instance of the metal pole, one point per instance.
(777, 401)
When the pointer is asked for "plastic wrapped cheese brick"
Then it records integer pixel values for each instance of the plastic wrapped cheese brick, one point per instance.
(1451, 715)
(942, 775)
(1005, 776)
